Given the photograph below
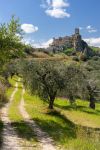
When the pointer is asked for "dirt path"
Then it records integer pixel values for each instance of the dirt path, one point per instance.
(45, 141)
(10, 138)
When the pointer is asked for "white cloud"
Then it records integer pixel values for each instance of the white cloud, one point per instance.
(29, 28)
(27, 41)
(59, 3)
(57, 13)
(91, 29)
(88, 27)
(56, 8)
(37, 44)
(93, 41)
(43, 44)
(46, 44)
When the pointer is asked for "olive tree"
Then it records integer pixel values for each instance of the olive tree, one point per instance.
(45, 79)
(92, 71)
(50, 79)
(75, 83)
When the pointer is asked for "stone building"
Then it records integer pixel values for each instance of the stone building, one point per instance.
(75, 41)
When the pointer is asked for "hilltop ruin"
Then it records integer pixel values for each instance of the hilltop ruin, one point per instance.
(75, 41)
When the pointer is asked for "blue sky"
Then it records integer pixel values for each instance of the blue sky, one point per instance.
(42, 20)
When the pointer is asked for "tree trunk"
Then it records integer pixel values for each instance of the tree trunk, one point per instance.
(92, 103)
(51, 103)
(71, 99)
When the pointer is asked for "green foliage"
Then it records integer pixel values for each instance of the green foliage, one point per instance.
(75, 83)
(68, 51)
(92, 71)
(1, 130)
(10, 69)
(96, 58)
(3, 87)
(10, 40)
(50, 79)
(44, 78)
(75, 58)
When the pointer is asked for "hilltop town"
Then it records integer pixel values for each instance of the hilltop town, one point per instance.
(75, 41)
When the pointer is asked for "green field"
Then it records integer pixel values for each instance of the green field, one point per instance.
(62, 130)
(81, 114)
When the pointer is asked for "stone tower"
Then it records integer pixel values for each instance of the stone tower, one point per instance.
(77, 40)
(77, 31)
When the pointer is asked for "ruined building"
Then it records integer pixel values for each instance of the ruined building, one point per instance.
(75, 41)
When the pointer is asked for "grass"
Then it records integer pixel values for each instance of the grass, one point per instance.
(23, 130)
(12, 81)
(59, 125)
(89, 117)
(62, 130)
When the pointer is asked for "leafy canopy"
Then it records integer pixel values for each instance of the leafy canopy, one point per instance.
(50, 79)
(10, 40)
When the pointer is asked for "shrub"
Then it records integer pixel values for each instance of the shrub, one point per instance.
(68, 51)
(3, 98)
(75, 58)
(83, 57)
(96, 58)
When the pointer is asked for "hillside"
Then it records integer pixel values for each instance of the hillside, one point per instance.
(73, 46)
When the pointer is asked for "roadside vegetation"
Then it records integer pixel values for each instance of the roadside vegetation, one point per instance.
(3, 100)
(1, 128)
